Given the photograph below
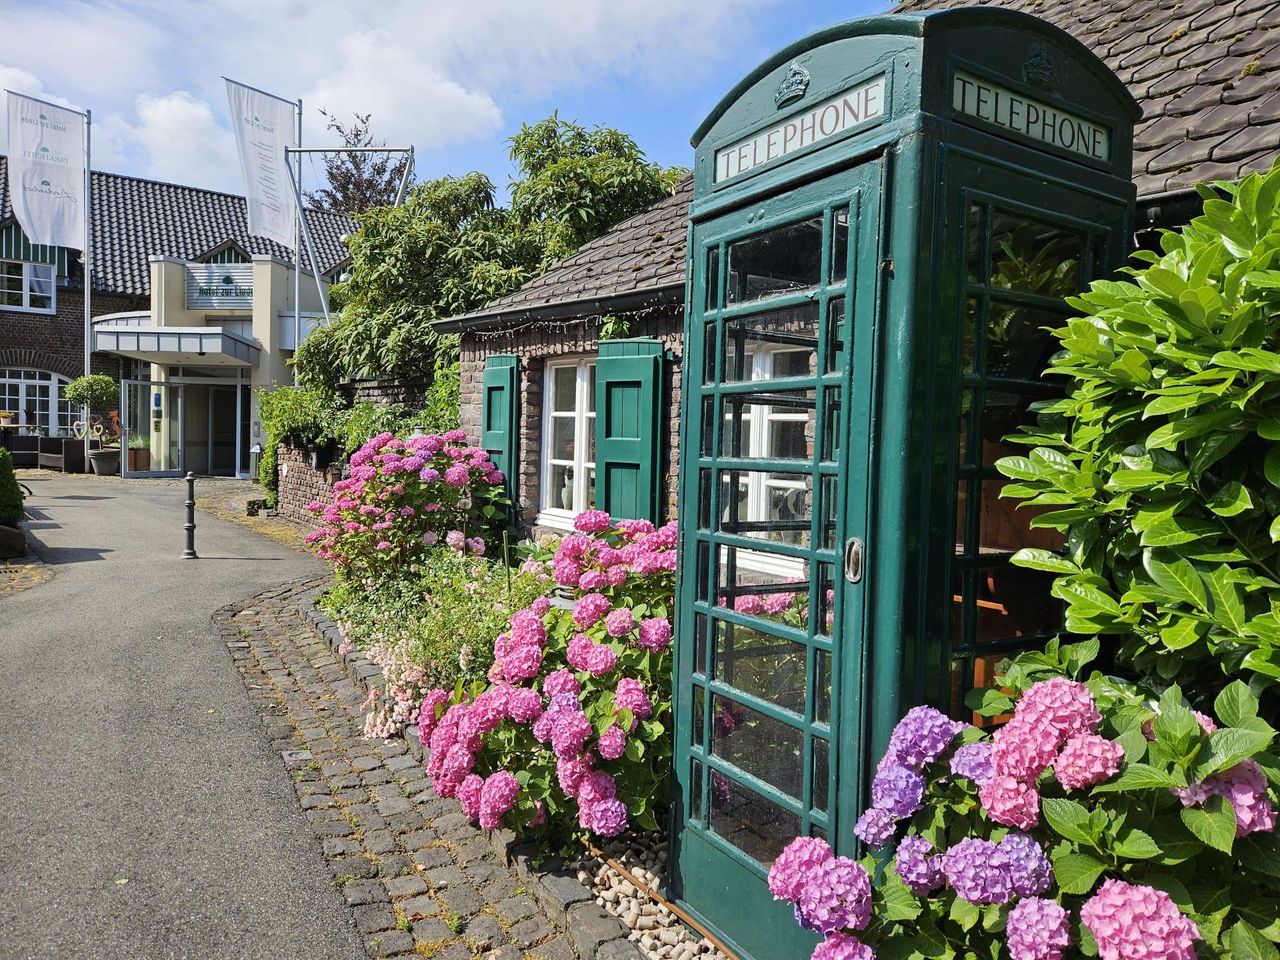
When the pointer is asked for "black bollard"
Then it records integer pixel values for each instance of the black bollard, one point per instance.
(190, 525)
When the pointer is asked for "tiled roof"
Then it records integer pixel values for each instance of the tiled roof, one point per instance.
(644, 252)
(134, 219)
(1206, 73)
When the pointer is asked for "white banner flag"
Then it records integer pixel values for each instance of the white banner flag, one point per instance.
(264, 125)
(46, 171)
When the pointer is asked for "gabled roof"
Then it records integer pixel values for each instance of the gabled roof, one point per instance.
(1205, 72)
(134, 219)
(641, 255)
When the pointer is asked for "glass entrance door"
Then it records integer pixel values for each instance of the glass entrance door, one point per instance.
(152, 426)
(768, 685)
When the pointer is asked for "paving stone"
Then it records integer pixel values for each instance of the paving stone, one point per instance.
(417, 839)
(333, 828)
(469, 853)
(379, 841)
(517, 908)
(389, 808)
(507, 951)
(454, 951)
(372, 917)
(360, 867)
(558, 948)
(352, 795)
(450, 821)
(432, 857)
(590, 926)
(483, 871)
(386, 791)
(618, 950)
(363, 764)
(364, 891)
(415, 908)
(501, 889)
(405, 886)
(400, 763)
(341, 846)
(372, 778)
(464, 901)
(335, 768)
(432, 930)
(483, 933)
(392, 943)
(558, 892)
(528, 932)
(443, 877)
(395, 864)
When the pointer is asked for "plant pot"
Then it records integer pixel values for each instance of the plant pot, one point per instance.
(105, 462)
(7, 418)
(139, 459)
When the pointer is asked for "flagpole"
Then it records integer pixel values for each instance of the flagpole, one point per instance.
(88, 267)
(297, 246)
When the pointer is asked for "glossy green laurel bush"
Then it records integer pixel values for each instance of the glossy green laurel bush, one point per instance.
(1161, 465)
(10, 493)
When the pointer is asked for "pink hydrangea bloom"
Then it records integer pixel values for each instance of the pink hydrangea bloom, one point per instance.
(620, 622)
(635, 529)
(630, 695)
(749, 604)
(1023, 750)
(527, 629)
(842, 946)
(617, 575)
(570, 771)
(655, 633)
(607, 818)
(802, 859)
(457, 475)
(1129, 920)
(837, 899)
(427, 712)
(567, 572)
(593, 580)
(522, 662)
(496, 798)
(1245, 786)
(469, 795)
(560, 681)
(1010, 801)
(1087, 759)
(777, 603)
(523, 705)
(540, 606)
(590, 608)
(1063, 706)
(592, 521)
(569, 732)
(612, 743)
(456, 539)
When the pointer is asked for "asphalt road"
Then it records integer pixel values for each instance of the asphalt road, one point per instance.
(142, 812)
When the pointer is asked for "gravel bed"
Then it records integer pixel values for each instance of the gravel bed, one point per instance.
(654, 928)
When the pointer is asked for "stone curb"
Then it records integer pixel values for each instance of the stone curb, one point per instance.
(597, 934)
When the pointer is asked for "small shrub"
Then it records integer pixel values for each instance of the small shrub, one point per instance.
(1097, 821)
(402, 499)
(432, 627)
(571, 735)
(300, 416)
(11, 510)
(97, 391)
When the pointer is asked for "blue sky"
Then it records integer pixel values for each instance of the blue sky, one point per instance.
(455, 79)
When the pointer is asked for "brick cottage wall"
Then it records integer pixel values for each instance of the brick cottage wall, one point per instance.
(55, 342)
(534, 346)
(410, 394)
(300, 483)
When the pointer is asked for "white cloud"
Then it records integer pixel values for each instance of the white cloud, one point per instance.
(434, 73)
(24, 81)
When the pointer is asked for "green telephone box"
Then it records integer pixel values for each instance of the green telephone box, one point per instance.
(886, 218)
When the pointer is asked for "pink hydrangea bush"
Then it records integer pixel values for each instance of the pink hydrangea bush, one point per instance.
(404, 498)
(576, 709)
(1097, 821)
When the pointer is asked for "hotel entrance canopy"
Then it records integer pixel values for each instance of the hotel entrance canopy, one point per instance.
(206, 346)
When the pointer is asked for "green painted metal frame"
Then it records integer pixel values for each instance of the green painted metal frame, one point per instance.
(899, 451)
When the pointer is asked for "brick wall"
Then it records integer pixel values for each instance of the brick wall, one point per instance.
(534, 346)
(300, 483)
(404, 393)
(55, 342)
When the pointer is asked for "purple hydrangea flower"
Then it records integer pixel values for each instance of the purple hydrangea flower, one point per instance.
(897, 789)
(842, 946)
(919, 871)
(978, 871)
(1037, 930)
(875, 828)
(922, 736)
(973, 762)
(837, 898)
(1029, 869)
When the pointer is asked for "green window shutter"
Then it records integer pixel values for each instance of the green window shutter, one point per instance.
(500, 420)
(629, 420)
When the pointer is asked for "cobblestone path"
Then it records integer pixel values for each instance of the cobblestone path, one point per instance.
(418, 876)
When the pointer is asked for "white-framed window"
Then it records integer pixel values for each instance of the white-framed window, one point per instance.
(568, 477)
(27, 286)
(36, 397)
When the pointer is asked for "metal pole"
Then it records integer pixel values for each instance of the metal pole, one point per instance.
(297, 241)
(88, 274)
(311, 252)
(190, 526)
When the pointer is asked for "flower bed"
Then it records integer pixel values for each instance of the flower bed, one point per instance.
(1097, 820)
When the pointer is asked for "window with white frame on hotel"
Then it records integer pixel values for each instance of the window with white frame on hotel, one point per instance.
(36, 397)
(568, 476)
(27, 286)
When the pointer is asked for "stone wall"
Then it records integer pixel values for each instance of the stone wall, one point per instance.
(300, 483)
(536, 344)
(404, 393)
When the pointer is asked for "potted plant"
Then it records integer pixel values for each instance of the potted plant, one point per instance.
(7, 417)
(98, 393)
(139, 454)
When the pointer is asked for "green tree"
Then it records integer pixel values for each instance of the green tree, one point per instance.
(451, 248)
